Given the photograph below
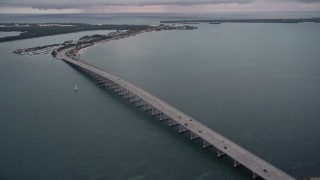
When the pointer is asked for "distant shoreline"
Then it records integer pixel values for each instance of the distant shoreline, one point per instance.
(217, 21)
(33, 30)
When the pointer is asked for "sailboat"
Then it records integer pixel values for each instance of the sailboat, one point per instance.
(76, 88)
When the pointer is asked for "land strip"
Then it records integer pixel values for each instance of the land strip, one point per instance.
(87, 41)
(30, 30)
(218, 21)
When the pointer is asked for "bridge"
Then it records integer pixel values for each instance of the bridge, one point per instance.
(178, 120)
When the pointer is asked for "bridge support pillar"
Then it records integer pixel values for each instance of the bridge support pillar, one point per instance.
(254, 175)
(135, 99)
(122, 93)
(141, 104)
(163, 117)
(155, 113)
(193, 136)
(128, 96)
(220, 153)
(182, 129)
(172, 123)
(148, 108)
(118, 89)
(236, 164)
(102, 81)
(112, 86)
(206, 144)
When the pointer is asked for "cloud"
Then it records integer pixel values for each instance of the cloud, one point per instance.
(63, 4)
(87, 4)
(308, 1)
(299, 1)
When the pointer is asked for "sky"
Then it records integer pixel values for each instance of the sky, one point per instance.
(155, 6)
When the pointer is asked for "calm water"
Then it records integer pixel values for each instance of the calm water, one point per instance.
(144, 18)
(257, 84)
(6, 34)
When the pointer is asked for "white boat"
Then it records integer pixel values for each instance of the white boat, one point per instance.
(76, 88)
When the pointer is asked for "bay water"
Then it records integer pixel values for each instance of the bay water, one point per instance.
(257, 84)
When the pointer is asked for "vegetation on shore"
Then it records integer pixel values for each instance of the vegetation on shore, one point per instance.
(40, 30)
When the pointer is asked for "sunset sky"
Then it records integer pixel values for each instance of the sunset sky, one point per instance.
(155, 6)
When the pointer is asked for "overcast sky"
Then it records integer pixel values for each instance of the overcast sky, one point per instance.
(154, 6)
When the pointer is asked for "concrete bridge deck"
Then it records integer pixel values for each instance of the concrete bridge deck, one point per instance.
(183, 123)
